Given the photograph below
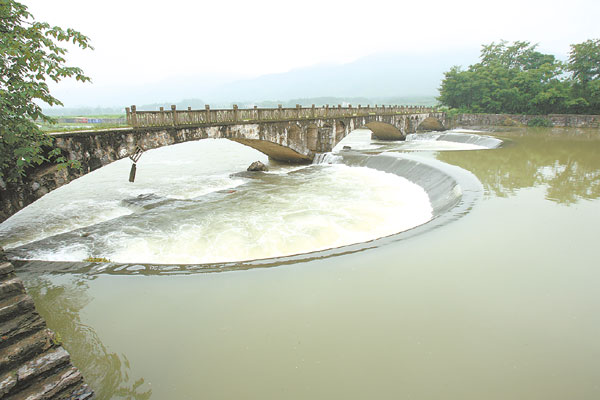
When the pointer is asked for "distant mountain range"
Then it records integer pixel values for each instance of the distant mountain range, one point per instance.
(392, 78)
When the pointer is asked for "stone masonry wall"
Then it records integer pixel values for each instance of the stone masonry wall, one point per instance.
(33, 365)
(559, 120)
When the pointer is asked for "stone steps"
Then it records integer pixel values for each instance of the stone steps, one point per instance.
(10, 287)
(19, 304)
(60, 385)
(14, 355)
(33, 365)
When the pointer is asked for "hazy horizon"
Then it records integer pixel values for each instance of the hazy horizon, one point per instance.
(146, 52)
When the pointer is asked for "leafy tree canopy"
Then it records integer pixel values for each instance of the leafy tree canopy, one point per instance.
(584, 63)
(30, 54)
(516, 78)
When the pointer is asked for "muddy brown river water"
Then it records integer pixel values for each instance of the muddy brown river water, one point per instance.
(501, 302)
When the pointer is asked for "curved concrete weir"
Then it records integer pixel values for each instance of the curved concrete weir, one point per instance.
(416, 191)
(447, 186)
(477, 141)
(452, 192)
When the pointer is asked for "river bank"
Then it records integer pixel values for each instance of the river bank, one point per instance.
(508, 120)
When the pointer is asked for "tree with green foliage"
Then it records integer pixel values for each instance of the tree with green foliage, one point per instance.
(30, 55)
(516, 78)
(584, 63)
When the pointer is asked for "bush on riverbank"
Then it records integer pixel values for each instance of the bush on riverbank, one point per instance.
(540, 122)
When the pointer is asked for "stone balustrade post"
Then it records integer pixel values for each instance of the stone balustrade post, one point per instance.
(207, 111)
(174, 114)
(128, 115)
(133, 116)
(312, 111)
(326, 110)
(235, 112)
(298, 109)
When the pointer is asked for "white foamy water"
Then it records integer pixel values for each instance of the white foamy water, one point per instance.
(359, 139)
(178, 172)
(324, 207)
(416, 143)
(192, 210)
(454, 140)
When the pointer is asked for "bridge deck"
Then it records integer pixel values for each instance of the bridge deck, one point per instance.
(236, 115)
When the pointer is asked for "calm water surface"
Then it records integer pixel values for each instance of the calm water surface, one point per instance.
(502, 303)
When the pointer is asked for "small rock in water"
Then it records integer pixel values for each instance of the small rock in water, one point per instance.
(346, 148)
(257, 166)
(143, 200)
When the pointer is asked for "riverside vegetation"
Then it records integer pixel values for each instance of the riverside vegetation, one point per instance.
(30, 54)
(517, 79)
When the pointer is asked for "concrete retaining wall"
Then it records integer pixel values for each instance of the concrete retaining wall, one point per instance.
(559, 120)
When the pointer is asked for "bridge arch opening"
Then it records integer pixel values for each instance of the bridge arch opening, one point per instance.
(275, 151)
(430, 124)
(340, 131)
(385, 131)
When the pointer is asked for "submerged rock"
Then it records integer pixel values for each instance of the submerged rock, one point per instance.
(257, 166)
(246, 174)
(149, 200)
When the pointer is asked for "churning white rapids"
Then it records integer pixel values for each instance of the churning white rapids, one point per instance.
(188, 205)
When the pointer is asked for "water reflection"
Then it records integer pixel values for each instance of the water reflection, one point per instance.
(60, 299)
(563, 160)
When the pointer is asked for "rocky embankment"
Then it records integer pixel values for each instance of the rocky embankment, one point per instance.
(33, 364)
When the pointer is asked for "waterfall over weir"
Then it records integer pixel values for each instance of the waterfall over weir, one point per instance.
(343, 199)
(326, 158)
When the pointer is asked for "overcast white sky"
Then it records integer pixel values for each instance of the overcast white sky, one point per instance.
(141, 42)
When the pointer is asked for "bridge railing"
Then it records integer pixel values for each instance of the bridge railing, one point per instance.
(189, 117)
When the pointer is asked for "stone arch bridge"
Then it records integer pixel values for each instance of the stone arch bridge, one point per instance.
(292, 135)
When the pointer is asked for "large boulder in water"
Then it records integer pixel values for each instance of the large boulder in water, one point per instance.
(430, 124)
(257, 166)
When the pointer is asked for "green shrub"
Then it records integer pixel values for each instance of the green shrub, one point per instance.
(540, 121)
